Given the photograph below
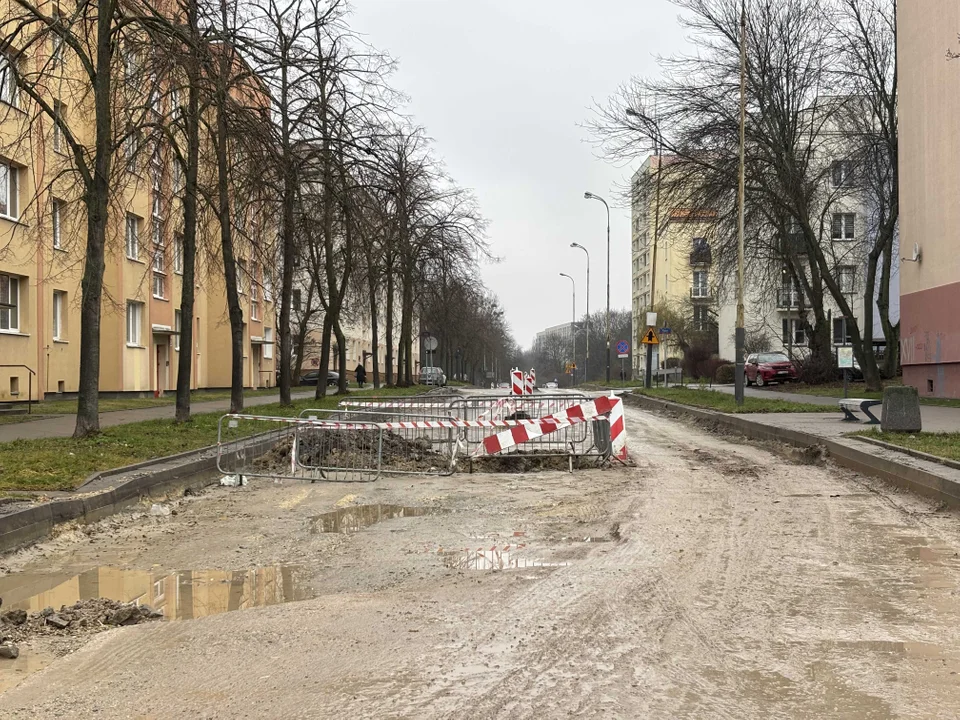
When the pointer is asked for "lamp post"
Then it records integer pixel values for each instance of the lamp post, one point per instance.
(586, 364)
(573, 325)
(590, 196)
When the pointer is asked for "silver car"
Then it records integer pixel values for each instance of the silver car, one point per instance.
(433, 376)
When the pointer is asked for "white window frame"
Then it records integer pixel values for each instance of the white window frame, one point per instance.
(58, 126)
(701, 289)
(132, 233)
(703, 323)
(56, 41)
(56, 223)
(9, 191)
(841, 173)
(178, 253)
(134, 324)
(59, 303)
(847, 338)
(847, 279)
(9, 94)
(848, 230)
(178, 328)
(793, 332)
(268, 343)
(10, 293)
(241, 271)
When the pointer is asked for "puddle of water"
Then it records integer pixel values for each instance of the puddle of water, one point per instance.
(353, 519)
(178, 595)
(506, 559)
(13, 672)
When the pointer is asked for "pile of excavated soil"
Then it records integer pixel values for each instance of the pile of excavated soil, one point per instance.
(528, 461)
(354, 449)
(85, 617)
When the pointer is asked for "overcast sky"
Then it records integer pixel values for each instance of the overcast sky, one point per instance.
(501, 85)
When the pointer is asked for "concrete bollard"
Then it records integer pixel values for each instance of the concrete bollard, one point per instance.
(901, 410)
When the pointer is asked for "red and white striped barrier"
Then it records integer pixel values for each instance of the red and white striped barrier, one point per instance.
(414, 405)
(533, 376)
(528, 385)
(526, 431)
(517, 377)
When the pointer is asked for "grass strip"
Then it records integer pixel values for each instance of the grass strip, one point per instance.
(722, 402)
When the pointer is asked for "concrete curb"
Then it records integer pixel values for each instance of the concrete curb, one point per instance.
(901, 475)
(908, 451)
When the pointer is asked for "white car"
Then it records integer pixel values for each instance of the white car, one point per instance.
(551, 385)
(433, 376)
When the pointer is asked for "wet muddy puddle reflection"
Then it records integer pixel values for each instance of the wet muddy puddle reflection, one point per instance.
(181, 595)
(507, 558)
(357, 517)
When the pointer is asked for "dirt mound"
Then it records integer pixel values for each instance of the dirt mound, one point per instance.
(528, 461)
(82, 618)
(354, 449)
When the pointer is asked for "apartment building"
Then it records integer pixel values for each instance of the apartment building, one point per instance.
(43, 234)
(680, 273)
(929, 127)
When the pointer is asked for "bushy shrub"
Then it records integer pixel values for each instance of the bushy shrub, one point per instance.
(726, 374)
(708, 368)
(814, 371)
(672, 362)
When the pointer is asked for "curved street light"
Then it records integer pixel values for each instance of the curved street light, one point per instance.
(573, 325)
(591, 196)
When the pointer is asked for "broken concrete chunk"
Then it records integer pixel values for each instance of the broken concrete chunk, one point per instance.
(58, 622)
(158, 510)
(15, 617)
(11, 652)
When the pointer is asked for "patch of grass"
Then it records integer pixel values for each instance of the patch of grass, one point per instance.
(63, 463)
(834, 390)
(69, 407)
(722, 402)
(945, 445)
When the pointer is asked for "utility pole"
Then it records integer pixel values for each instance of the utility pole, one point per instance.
(586, 367)
(740, 339)
(591, 196)
(573, 325)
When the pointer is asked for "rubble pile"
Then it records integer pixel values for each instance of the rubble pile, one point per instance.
(353, 448)
(84, 617)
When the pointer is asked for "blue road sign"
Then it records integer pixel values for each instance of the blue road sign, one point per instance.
(665, 331)
(623, 347)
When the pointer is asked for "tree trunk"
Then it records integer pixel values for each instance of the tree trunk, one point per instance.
(188, 281)
(388, 319)
(343, 387)
(324, 369)
(289, 246)
(374, 335)
(96, 200)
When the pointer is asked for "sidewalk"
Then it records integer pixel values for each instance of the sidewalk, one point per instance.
(935, 417)
(63, 425)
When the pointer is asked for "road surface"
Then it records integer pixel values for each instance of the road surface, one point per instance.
(714, 580)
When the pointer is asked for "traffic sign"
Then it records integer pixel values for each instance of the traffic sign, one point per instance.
(650, 337)
(665, 331)
(623, 347)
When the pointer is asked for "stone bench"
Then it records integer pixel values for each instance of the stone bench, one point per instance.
(848, 405)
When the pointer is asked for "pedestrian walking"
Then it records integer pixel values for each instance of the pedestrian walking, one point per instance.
(361, 375)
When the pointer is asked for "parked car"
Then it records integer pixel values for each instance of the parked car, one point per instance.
(551, 385)
(432, 376)
(763, 368)
(503, 386)
(311, 377)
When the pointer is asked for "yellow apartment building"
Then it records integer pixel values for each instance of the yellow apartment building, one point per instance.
(681, 275)
(42, 251)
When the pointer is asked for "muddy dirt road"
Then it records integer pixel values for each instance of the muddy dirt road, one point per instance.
(714, 580)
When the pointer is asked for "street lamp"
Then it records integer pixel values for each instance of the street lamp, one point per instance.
(740, 336)
(590, 196)
(573, 325)
(586, 365)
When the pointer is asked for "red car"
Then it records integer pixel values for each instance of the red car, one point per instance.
(764, 368)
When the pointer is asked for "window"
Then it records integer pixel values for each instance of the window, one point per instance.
(267, 286)
(56, 40)
(790, 292)
(59, 306)
(846, 276)
(130, 150)
(296, 299)
(178, 253)
(130, 65)
(9, 190)
(700, 285)
(9, 303)
(177, 327)
(843, 226)
(841, 172)
(701, 318)
(133, 237)
(8, 81)
(268, 343)
(254, 295)
(175, 110)
(134, 323)
(159, 267)
(794, 332)
(58, 112)
(55, 209)
(841, 333)
(241, 272)
(178, 177)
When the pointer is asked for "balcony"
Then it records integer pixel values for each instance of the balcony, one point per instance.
(787, 300)
(699, 293)
(793, 244)
(701, 256)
